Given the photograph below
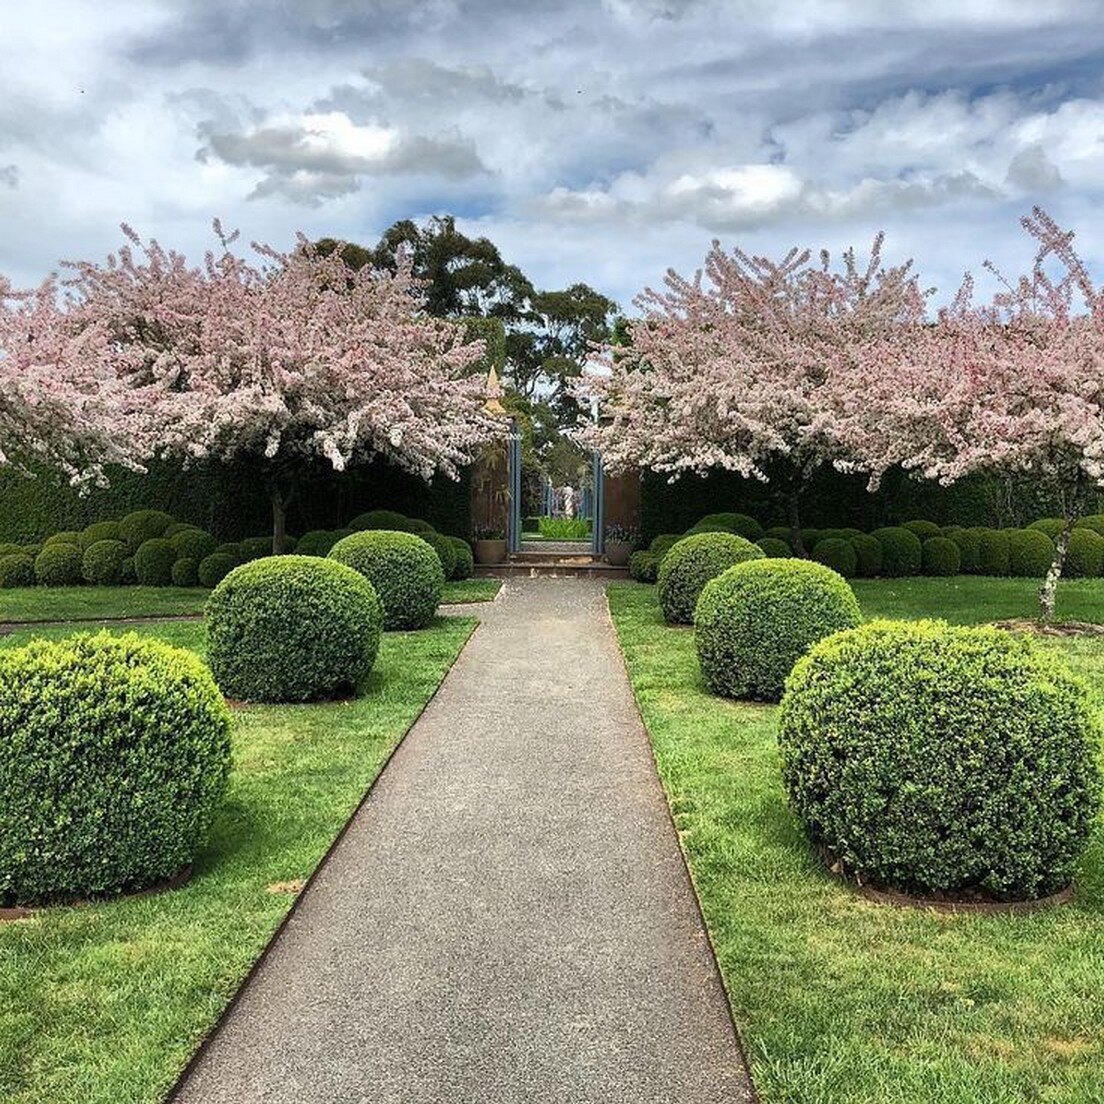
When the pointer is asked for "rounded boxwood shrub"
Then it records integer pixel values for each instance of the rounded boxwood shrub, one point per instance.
(215, 567)
(775, 549)
(128, 574)
(465, 561)
(317, 542)
(106, 791)
(1030, 553)
(1095, 522)
(839, 554)
(185, 572)
(153, 562)
(779, 532)
(1051, 526)
(836, 534)
(969, 547)
(417, 525)
(9, 549)
(58, 565)
(102, 562)
(868, 556)
(993, 553)
(442, 545)
(644, 566)
(380, 519)
(143, 525)
(922, 529)
(194, 544)
(67, 536)
(16, 570)
(902, 552)
(178, 527)
(809, 537)
(941, 556)
(403, 568)
(100, 531)
(743, 525)
(233, 548)
(691, 563)
(755, 620)
(663, 544)
(932, 758)
(1084, 555)
(256, 547)
(292, 628)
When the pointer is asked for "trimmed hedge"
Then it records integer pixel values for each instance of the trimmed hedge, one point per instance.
(194, 544)
(644, 566)
(1085, 555)
(405, 571)
(292, 628)
(442, 545)
(153, 562)
(941, 556)
(779, 532)
(663, 544)
(100, 531)
(902, 552)
(774, 548)
(256, 548)
(317, 542)
(58, 565)
(234, 549)
(754, 621)
(922, 529)
(839, 554)
(1030, 553)
(993, 557)
(380, 519)
(465, 561)
(185, 572)
(691, 563)
(111, 791)
(969, 547)
(144, 525)
(931, 758)
(69, 536)
(743, 525)
(1051, 526)
(215, 567)
(1095, 522)
(102, 563)
(868, 555)
(128, 575)
(16, 570)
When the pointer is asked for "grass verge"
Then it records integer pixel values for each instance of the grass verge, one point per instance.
(841, 1001)
(471, 590)
(105, 1003)
(88, 603)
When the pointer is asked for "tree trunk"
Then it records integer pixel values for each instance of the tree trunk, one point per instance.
(793, 515)
(279, 518)
(1048, 591)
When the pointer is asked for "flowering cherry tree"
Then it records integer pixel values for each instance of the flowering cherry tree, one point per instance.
(291, 359)
(727, 370)
(1012, 385)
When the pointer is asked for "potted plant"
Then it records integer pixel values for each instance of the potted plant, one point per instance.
(490, 545)
(620, 543)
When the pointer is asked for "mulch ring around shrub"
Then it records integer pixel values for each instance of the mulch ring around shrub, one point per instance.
(26, 912)
(1050, 628)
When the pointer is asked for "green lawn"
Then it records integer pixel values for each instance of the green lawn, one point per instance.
(841, 1001)
(104, 1004)
(471, 590)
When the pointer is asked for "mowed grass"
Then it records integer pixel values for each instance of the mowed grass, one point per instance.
(104, 1004)
(841, 1001)
(471, 590)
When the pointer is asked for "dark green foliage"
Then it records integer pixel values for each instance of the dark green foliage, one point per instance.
(1095, 522)
(8, 549)
(194, 544)
(109, 791)
(834, 534)
(16, 570)
(143, 525)
(754, 621)
(941, 556)
(178, 527)
(923, 529)
(937, 759)
(100, 531)
(68, 536)
(417, 525)
(215, 567)
(233, 548)
(445, 552)
(1030, 553)
(185, 572)
(644, 567)
(743, 525)
(1051, 526)
(380, 519)
(256, 547)
(902, 552)
(58, 565)
(128, 574)
(530, 524)
(951, 530)
(969, 545)
(317, 542)
(1084, 556)
(465, 561)
(102, 562)
(405, 571)
(691, 563)
(868, 556)
(779, 532)
(839, 554)
(153, 562)
(993, 553)
(809, 537)
(774, 548)
(663, 543)
(292, 628)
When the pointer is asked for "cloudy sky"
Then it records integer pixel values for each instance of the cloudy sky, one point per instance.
(596, 140)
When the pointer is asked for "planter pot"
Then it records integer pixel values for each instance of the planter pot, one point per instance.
(490, 551)
(618, 553)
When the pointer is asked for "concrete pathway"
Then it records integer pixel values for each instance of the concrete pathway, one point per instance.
(508, 918)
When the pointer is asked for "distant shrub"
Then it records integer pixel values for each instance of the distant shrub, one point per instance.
(465, 561)
(839, 554)
(9, 549)
(100, 531)
(143, 525)
(214, 568)
(1095, 522)
(194, 544)
(755, 620)
(128, 574)
(102, 563)
(317, 542)
(941, 556)
(663, 544)
(993, 552)
(868, 556)
(691, 563)
(446, 553)
(178, 527)
(1085, 555)
(234, 549)
(969, 547)
(774, 549)
(1030, 552)
(58, 565)
(1051, 526)
(67, 536)
(380, 519)
(16, 570)
(153, 562)
(902, 552)
(780, 532)
(185, 572)
(256, 548)
(643, 567)
(743, 525)
(836, 534)
(922, 529)
(809, 537)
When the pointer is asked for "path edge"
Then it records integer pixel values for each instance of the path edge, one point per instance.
(212, 1033)
(741, 1046)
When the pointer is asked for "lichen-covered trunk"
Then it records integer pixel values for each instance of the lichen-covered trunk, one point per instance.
(1048, 591)
(793, 516)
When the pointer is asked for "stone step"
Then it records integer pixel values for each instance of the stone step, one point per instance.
(514, 569)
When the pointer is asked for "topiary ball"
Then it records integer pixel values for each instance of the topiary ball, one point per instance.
(839, 554)
(58, 565)
(403, 568)
(114, 757)
(128, 575)
(143, 525)
(643, 566)
(185, 572)
(931, 758)
(9, 549)
(194, 544)
(835, 534)
(67, 536)
(256, 548)
(380, 519)
(465, 561)
(993, 553)
(100, 531)
(1051, 526)
(902, 552)
(780, 532)
(317, 542)
(941, 557)
(743, 525)
(442, 545)
(215, 567)
(868, 555)
(292, 628)
(178, 527)
(754, 621)
(16, 570)
(1084, 555)
(774, 548)
(1095, 522)
(1030, 553)
(969, 547)
(663, 544)
(809, 537)
(923, 529)
(102, 563)
(153, 562)
(233, 549)
(691, 563)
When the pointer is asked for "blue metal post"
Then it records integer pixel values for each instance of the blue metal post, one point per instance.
(598, 530)
(513, 529)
